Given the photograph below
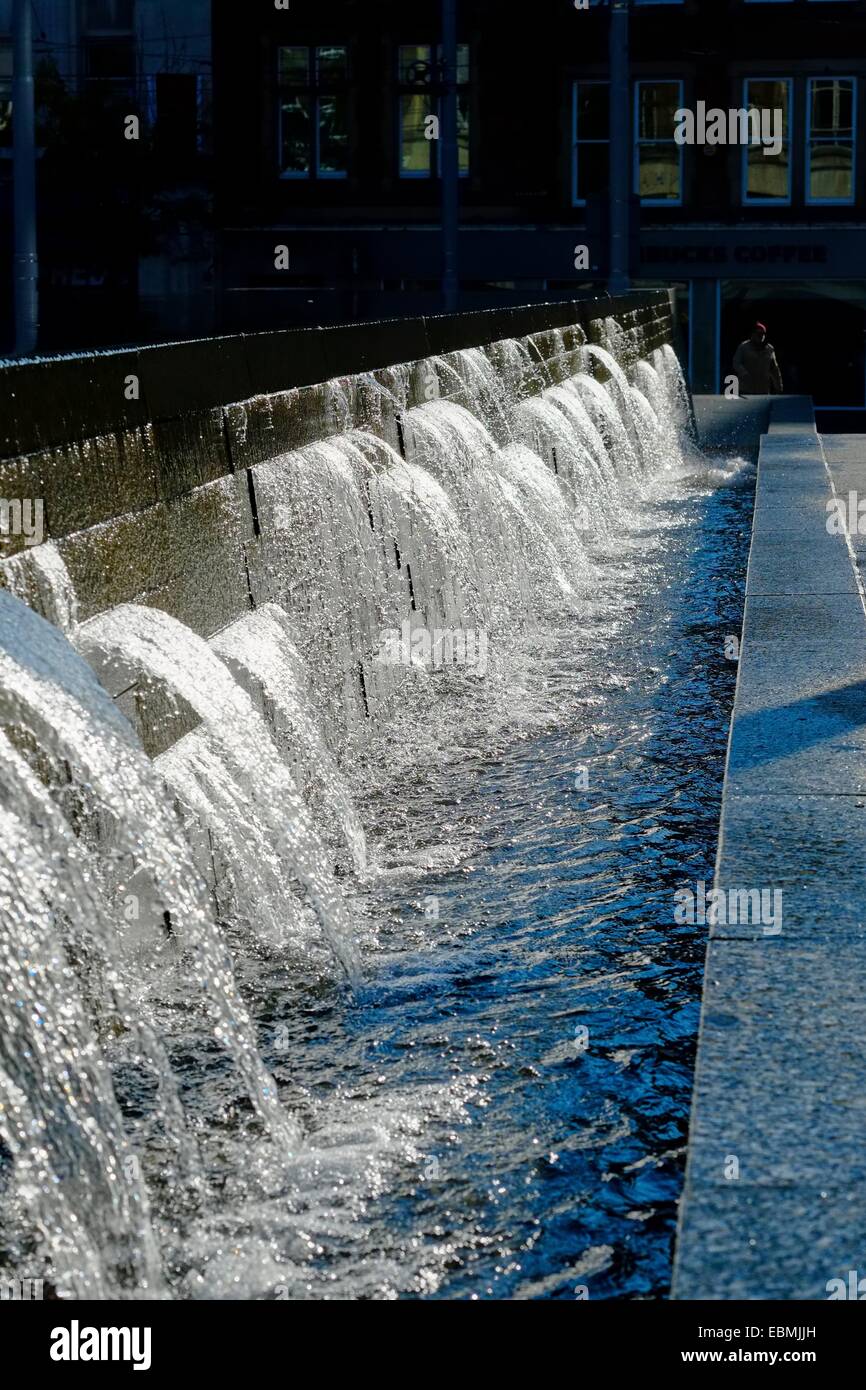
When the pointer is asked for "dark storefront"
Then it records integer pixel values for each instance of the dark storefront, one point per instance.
(331, 162)
(321, 118)
(807, 284)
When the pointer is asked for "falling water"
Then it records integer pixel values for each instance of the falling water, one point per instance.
(261, 654)
(40, 578)
(255, 789)
(138, 899)
(58, 1115)
(61, 910)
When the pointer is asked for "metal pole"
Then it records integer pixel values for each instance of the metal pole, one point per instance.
(620, 147)
(450, 173)
(25, 265)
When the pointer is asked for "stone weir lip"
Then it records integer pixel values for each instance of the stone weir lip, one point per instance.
(772, 1206)
(54, 401)
(163, 495)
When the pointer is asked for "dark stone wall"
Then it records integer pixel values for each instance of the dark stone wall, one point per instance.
(153, 500)
(65, 400)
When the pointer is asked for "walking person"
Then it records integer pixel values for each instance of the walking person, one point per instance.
(756, 367)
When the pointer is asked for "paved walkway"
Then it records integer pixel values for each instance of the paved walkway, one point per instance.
(775, 1204)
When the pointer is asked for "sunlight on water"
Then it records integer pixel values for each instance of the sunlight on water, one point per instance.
(129, 641)
(376, 777)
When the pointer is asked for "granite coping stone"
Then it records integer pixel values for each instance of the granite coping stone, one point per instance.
(780, 564)
(800, 718)
(792, 512)
(769, 1242)
(805, 845)
(780, 1080)
(809, 618)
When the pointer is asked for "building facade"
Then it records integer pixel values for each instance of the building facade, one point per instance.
(325, 148)
(289, 159)
(124, 224)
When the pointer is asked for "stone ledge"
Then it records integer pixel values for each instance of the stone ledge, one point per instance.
(777, 1089)
(56, 401)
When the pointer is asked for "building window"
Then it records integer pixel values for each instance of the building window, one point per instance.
(590, 136)
(314, 120)
(420, 78)
(107, 16)
(109, 66)
(766, 176)
(830, 140)
(658, 158)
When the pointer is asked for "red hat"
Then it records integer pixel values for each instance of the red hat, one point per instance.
(762, 326)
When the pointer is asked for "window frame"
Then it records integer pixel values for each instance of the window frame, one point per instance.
(404, 88)
(746, 200)
(808, 200)
(575, 141)
(314, 91)
(638, 82)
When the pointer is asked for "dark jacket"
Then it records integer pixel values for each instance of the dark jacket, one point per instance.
(757, 369)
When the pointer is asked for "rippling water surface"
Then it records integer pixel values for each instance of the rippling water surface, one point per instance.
(368, 986)
(509, 1090)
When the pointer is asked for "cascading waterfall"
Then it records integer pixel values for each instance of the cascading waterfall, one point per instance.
(256, 787)
(58, 1114)
(60, 915)
(40, 578)
(261, 654)
(557, 426)
(121, 878)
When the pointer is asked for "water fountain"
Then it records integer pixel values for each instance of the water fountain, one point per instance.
(187, 742)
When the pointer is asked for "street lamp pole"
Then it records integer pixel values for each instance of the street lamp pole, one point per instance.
(25, 265)
(450, 173)
(620, 148)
